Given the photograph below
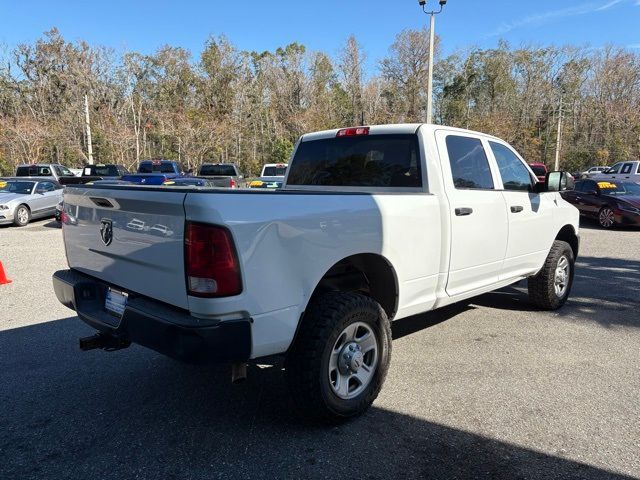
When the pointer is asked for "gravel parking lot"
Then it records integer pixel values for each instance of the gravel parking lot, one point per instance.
(487, 389)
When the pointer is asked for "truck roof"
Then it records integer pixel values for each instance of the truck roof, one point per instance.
(390, 129)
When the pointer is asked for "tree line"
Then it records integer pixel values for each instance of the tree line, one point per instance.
(229, 105)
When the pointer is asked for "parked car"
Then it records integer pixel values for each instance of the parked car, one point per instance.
(315, 271)
(619, 172)
(58, 172)
(609, 203)
(222, 174)
(261, 184)
(273, 172)
(592, 171)
(540, 170)
(23, 199)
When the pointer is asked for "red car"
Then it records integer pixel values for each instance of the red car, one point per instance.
(610, 203)
(540, 170)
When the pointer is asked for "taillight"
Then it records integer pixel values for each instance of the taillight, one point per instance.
(353, 132)
(211, 262)
(233, 183)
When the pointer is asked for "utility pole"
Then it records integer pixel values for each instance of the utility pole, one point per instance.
(559, 137)
(432, 39)
(87, 124)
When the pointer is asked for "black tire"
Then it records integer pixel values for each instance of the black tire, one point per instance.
(606, 218)
(307, 363)
(16, 220)
(542, 286)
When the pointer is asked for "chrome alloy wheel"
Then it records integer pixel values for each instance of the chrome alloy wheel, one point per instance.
(353, 362)
(561, 276)
(23, 215)
(606, 218)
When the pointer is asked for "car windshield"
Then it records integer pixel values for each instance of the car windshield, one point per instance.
(13, 186)
(538, 170)
(218, 170)
(275, 171)
(619, 189)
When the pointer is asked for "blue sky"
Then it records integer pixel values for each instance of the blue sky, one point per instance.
(323, 25)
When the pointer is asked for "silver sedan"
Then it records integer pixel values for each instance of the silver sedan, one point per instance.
(23, 199)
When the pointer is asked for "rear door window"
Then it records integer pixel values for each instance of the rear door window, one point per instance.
(615, 168)
(358, 161)
(626, 168)
(515, 176)
(469, 163)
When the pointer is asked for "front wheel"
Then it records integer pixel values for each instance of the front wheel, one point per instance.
(550, 287)
(22, 216)
(339, 361)
(606, 218)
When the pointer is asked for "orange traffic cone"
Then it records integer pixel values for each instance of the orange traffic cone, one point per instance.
(3, 277)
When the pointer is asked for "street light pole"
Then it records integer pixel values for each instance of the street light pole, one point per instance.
(432, 37)
(432, 40)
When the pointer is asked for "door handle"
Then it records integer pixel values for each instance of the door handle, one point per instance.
(516, 209)
(461, 212)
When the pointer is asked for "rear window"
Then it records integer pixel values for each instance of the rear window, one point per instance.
(538, 170)
(102, 171)
(218, 170)
(164, 167)
(363, 161)
(274, 171)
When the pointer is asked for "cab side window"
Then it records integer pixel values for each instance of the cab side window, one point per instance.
(627, 168)
(515, 176)
(469, 163)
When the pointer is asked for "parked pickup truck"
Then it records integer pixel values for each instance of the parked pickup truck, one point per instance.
(167, 167)
(222, 174)
(58, 172)
(91, 173)
(373, 224)
(620, 172)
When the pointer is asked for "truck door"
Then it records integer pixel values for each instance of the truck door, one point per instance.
(531, 225)
(479, 225)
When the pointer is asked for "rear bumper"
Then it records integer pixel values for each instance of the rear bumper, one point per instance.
(154, 324)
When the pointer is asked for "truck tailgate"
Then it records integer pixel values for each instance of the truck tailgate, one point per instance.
(144, 253)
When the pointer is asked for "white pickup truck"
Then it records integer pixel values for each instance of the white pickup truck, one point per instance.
(372, 224)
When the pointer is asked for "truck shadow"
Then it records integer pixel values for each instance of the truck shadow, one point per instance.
(137, 414)
(605, 290)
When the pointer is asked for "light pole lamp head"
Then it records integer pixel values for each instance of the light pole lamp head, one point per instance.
(422, 2)
(443, 3)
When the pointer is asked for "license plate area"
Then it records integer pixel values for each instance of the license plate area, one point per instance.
(115, 302)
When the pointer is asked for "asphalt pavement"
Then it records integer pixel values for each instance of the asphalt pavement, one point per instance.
(490, 389)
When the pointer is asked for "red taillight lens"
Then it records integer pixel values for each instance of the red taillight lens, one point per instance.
(233, 183)
(353, 132)
(211, 262)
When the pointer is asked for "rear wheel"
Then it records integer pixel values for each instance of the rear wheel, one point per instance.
(340, 358)
(606, 218)
(22, 216)
(550, 288)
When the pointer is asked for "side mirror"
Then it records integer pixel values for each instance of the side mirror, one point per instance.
(593, 192)
(559, 182)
